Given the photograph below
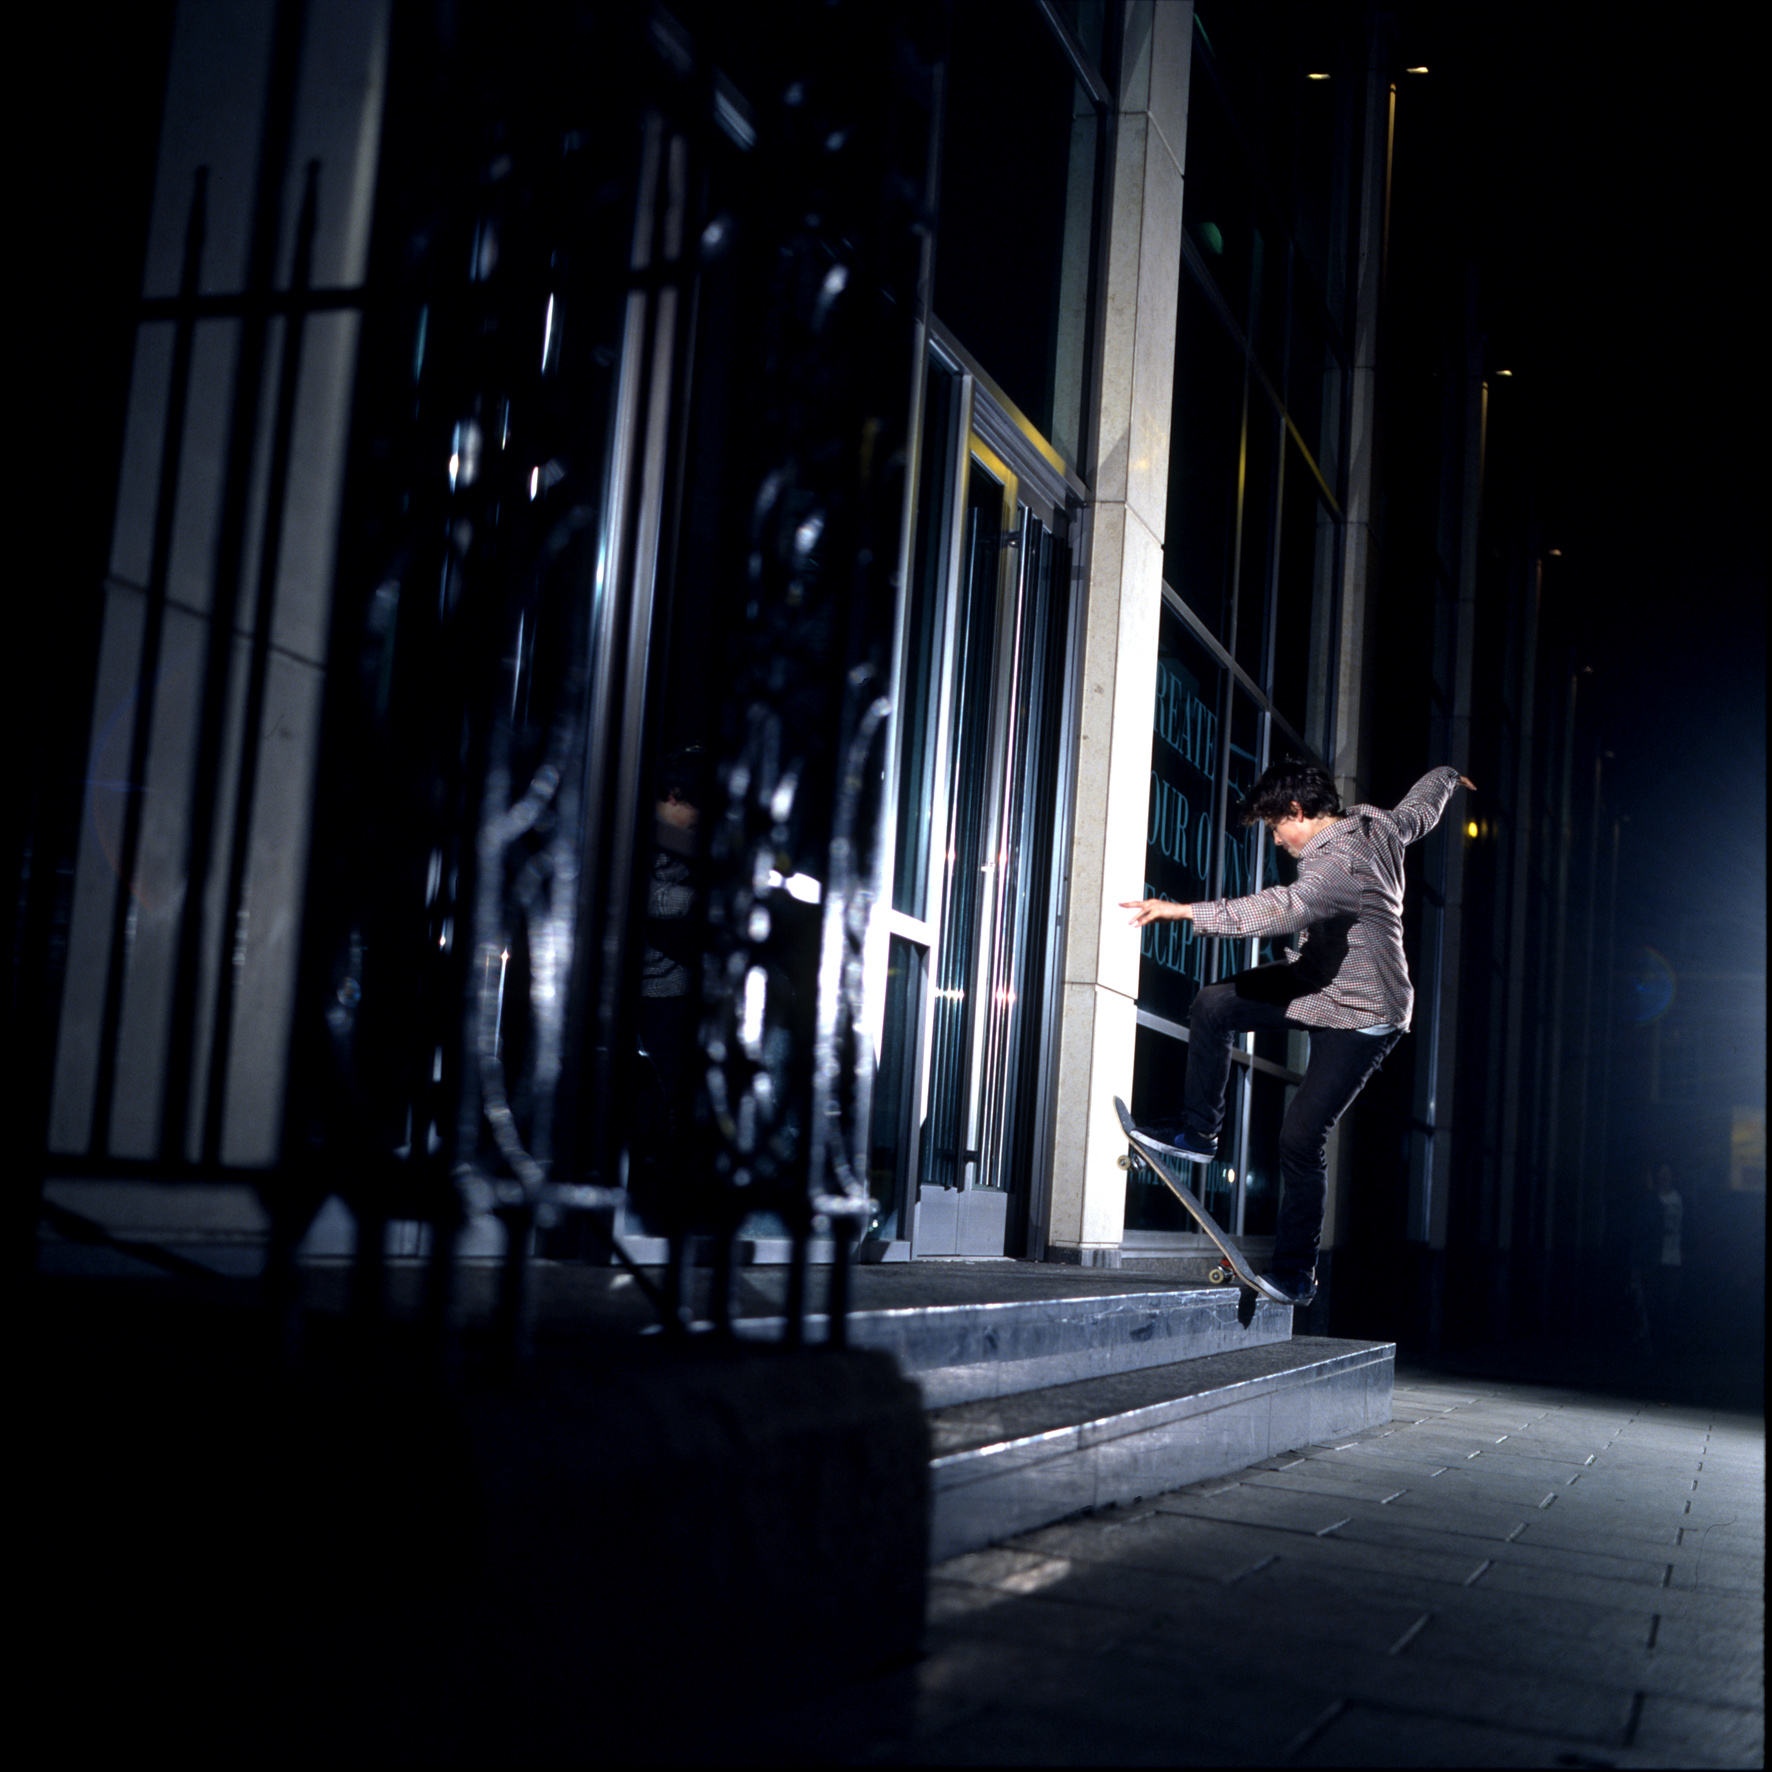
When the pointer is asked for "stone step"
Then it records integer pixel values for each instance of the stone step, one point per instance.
(976, 1351)
(1014, 1463)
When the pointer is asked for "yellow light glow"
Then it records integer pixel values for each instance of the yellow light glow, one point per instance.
(1504, 372)
(1316, 76)
(1415, 70)
(1470, 830)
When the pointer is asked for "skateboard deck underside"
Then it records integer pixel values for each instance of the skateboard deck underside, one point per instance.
(1151, 1152)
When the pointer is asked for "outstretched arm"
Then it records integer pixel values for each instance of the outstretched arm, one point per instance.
(1419, 810)
(1155, 910)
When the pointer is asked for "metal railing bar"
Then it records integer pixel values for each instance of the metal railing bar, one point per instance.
(258, 671)
(229, 551)
(254, 304)
(148, 669)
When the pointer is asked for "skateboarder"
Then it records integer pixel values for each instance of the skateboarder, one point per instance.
(1345, 982)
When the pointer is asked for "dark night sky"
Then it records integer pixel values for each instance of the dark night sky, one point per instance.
(1615, 154)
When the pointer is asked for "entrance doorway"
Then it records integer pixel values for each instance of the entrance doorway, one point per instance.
(982, 795)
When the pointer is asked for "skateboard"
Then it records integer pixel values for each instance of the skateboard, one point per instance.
(1165, 1164)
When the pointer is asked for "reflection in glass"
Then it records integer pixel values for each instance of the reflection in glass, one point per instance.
(917, 700)
(1182, 834)
(1022, 883)
(948, 1152)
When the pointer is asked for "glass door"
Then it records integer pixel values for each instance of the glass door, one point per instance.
(993, 885)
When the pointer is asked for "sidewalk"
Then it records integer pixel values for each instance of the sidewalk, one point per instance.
(1507, 1575)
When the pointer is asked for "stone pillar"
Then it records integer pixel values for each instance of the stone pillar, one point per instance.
(1351, 735)
(1125, 577)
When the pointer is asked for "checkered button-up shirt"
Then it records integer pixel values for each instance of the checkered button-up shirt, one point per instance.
(1346, 908)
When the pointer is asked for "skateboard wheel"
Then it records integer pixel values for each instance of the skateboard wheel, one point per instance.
(1125, 1160)
(1218, 1276)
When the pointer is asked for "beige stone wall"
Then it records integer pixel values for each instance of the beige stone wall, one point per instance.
(1130, 479)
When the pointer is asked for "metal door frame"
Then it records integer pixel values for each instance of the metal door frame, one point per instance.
(1035, 479)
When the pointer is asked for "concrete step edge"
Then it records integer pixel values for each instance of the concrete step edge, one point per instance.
(1206, 1383)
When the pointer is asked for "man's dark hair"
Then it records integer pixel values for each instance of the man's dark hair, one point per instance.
(686, 773)
(1273, 794)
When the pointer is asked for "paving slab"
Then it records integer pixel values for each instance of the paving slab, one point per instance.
(1402, 1601)
(1357, 1734)
(1689, 1732)
(1462, 1635)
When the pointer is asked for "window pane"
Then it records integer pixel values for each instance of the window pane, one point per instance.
(1268, 1101)
(1324, 112)
(1304, 375)
(1205, 422)
(892, 1144)
(1261, 464)
(1217, 209)
(1267, 301)
(922, 661)
(1179, 853)
(948, 1156)
(1088, 22)
(1308, 538)
(1015, 230)
(1158, 1072)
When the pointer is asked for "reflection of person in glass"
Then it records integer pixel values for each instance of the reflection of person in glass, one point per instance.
(1345, 981)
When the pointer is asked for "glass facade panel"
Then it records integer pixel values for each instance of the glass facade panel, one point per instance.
(1205, 427)
(948, 1152)
(1242, 843)
(1218, 208)
(1158, 1074)
(1087, 20)
(1268, 301)
(1180, 860)
(1024, 876)
(1255, 430)
(1305, 601)
(1261, 474)
(918, 695)
(1269, 1097)
(1323, 110)
(1014, 245)
(1306, 362)
(891, 1145)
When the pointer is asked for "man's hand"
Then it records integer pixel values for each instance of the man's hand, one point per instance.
(1155, 910)
(1464, 781)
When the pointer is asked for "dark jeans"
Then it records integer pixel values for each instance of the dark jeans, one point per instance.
(1340, 1062)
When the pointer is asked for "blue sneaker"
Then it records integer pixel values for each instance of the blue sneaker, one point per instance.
(1195, 1150)
(1295, 1288)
